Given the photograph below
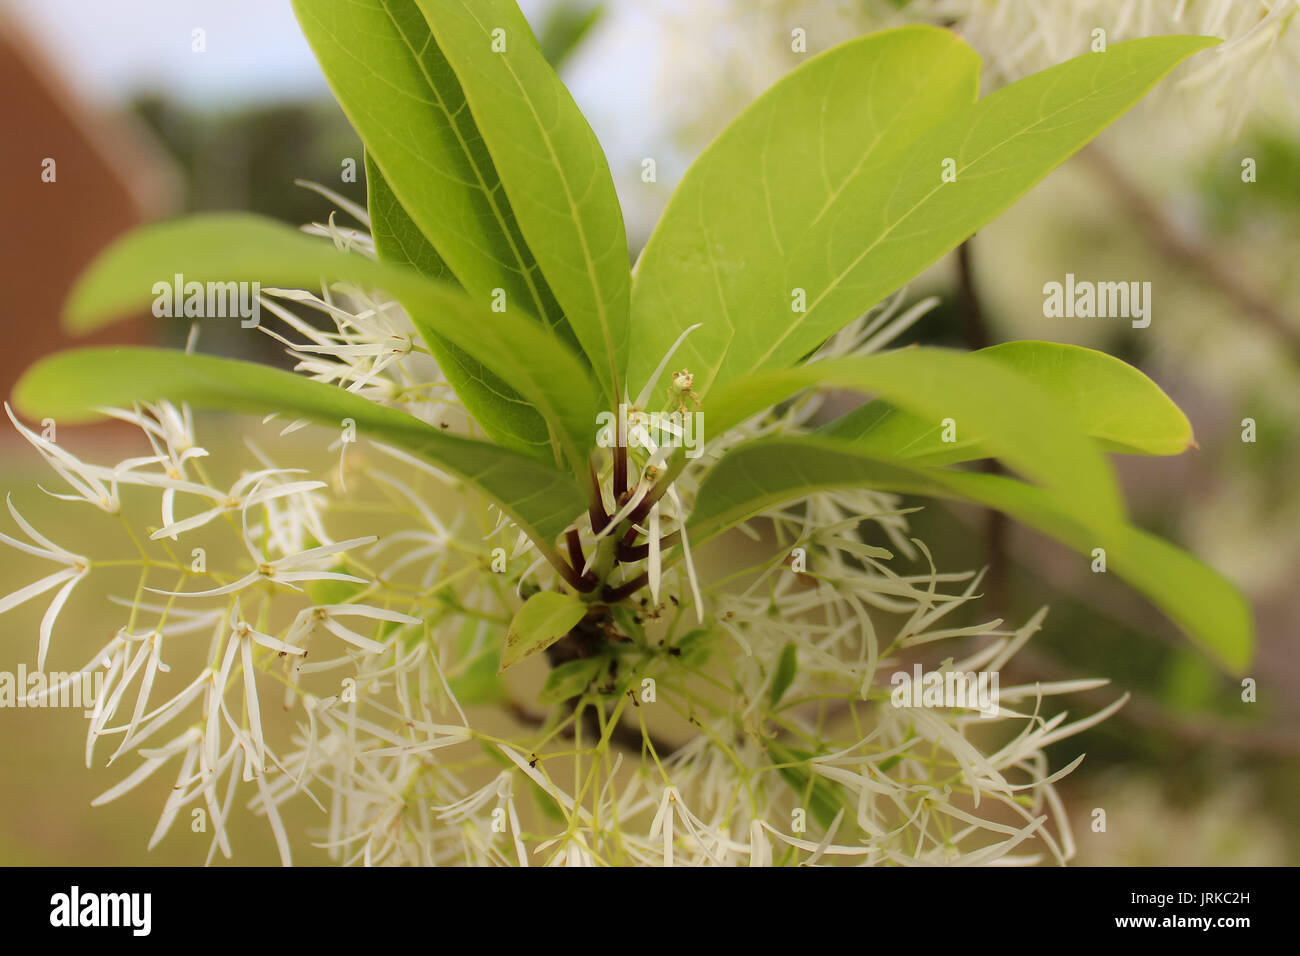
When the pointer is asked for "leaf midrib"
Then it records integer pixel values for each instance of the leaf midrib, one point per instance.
(575, 217)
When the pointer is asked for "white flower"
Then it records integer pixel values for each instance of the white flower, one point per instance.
(76, 568)
(286, 570)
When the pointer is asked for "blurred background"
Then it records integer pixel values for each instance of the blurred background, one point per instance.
(152, 109)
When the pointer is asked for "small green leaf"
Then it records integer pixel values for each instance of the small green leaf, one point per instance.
(570, 679)
(544, 618)
(552, 168)
(786, 667)
(69, 385)
(1115, 404)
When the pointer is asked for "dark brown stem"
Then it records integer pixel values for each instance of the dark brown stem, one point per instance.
(574, 542)
(596, 503)
(639, 552)
(651, 498)
(977, 333)
(573, 579)
(626, 590)
(620, 472)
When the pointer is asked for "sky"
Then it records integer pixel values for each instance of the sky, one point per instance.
(256, 53)
(112, 50)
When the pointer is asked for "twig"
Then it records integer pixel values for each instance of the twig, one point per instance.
(995, 525)
(1196, 257)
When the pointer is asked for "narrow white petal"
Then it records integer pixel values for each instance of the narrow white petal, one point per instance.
(23, 595)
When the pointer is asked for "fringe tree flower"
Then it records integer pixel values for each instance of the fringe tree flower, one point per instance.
(502, 638)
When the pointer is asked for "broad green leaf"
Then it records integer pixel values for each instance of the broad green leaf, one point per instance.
(1116, 405)
(753, 477)
(765, 473)
(1020, 422)
(403, 99)
(506, 416)
(570, 679)
(781, 174)
(67, 386)
(786, 667)
(551, 166)
(243, 248)
(544, 618)
(889, 220)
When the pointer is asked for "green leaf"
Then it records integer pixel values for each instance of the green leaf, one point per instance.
(243, 248)
(754, 477)
(1116, 405)
(762, 474)
(786, 666)
(552, 168)
(779, 176)
(570, 679)
(66, 386)
(403, 99)
(507, 417)
(544, 618)
(1015, 419)
(1204, 604)
(567, 24)
(730, 252)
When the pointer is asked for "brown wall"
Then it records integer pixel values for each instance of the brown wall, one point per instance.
(108, 179)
